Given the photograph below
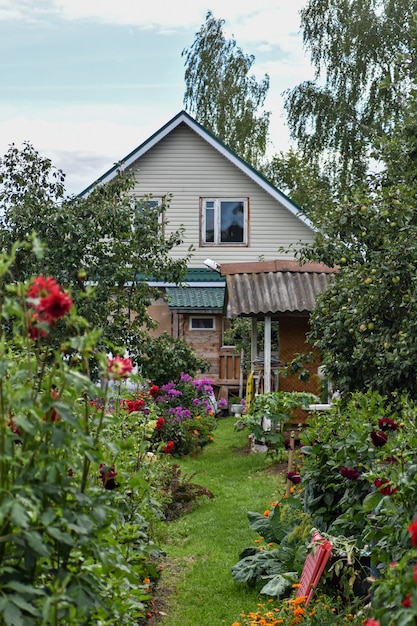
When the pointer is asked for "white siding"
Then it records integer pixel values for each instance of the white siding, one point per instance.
(184, 165)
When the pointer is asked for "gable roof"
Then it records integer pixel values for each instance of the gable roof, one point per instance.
(184, 118)
(274, 287)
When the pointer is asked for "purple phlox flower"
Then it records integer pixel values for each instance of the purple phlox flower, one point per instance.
(294, 477)
(350, 473)
(222, 403)
(185, 378)
(378, 438)
(204, 385)
(196, 401)
(168, 386)
(174, 393)
(385, 423)
(179, 413)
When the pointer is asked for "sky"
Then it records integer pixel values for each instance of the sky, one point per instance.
(87, 81)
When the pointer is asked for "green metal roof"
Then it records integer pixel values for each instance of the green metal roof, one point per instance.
(195, 298)
(203, 274)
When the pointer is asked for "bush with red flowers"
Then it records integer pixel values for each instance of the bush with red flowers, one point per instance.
(61, 495)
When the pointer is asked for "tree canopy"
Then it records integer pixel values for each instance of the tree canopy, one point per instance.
(363, 52)
(222, 94)
(100, 246)
(366, 324)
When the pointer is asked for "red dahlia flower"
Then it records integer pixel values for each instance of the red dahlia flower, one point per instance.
(135, 405)
(412, 529)
(107, 475)
(169, 447)
(153, 391)
(378, 438)
(385, 423)
(350, 473)
(49, 300)
(294, 477)
(385, 486)
(159, 423)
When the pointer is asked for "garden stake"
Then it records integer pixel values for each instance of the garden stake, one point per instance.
(290, 462)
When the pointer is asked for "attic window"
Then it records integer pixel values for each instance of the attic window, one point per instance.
(224, 222)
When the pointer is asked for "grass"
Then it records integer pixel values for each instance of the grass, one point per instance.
(201, 547)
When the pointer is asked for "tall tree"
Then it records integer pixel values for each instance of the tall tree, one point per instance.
(366, 323)
(222, 95)
(362, 51)
(294, 174)
(102, 244)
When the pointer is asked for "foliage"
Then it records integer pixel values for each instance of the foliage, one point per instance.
(100, 245)
(181, 493)
(163, 359)
(269, 413)
(221, 93)
(74, 546)
(367, 493)
(363, 324)
(273, 571)
(303, 181)
(363, 53)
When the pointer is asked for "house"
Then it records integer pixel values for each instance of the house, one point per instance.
(231, 213)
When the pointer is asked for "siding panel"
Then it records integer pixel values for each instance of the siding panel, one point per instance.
(184, 165)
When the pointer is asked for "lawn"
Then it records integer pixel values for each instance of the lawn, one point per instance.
(196, 586)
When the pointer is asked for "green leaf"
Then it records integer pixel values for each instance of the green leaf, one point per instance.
(279, 585)
(13, 616)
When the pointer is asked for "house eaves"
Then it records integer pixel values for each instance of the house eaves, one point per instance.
(184, 118)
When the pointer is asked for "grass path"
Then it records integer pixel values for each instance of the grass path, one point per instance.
(196, 586)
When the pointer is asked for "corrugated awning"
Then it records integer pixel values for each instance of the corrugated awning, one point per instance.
(287, 288)
(192, 299)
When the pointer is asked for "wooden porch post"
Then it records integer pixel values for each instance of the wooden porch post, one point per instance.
(267, 355)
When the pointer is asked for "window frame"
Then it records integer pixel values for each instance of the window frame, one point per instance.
(201, 317)
(217, 221)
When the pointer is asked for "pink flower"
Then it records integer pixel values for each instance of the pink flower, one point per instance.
(412, 529)
(372, 622)
(119, 368)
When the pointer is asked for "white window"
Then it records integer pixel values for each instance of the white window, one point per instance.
(202, 323)
(224, 221)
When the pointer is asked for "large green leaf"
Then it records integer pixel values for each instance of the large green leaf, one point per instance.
(280, 584)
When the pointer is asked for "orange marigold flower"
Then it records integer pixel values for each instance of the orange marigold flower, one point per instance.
(266, 513)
